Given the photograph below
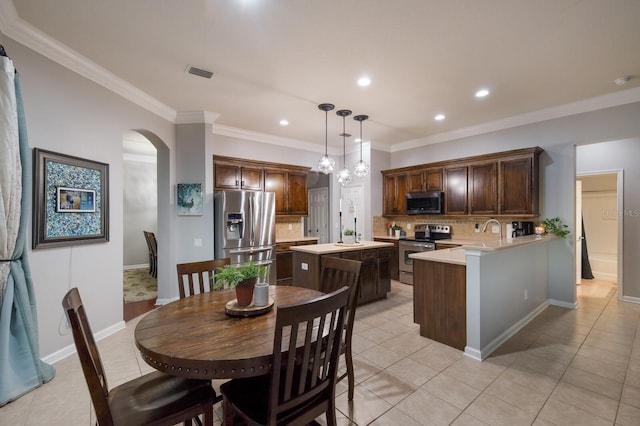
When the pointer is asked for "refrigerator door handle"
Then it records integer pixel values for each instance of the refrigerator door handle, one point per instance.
(249, 250)
(251, 215)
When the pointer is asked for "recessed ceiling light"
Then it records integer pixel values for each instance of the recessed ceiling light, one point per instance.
(482, 93)
(284, 122)
(364, 81)
(439, 117)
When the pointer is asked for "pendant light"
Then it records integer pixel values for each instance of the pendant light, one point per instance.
(344, 175)
(325, 165)
(361, 168)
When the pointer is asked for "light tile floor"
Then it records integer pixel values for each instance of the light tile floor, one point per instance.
(565, 367)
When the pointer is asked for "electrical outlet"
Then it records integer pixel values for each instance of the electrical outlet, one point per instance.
(477, 227)
(526, 294)
(408, 226)
(304, 266)
(290, 227)
(495, 229)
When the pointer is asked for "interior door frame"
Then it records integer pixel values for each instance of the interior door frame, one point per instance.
(620, 225)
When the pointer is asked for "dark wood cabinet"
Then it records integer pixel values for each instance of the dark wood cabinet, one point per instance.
(455, 191)
(233, 176)
(291, 191)
(502, 183)
(394, 191)
(284, 261)
(518, 186)
(394, 260)
(483, 188)
(287, 181)
(440, 302)
(375, 281)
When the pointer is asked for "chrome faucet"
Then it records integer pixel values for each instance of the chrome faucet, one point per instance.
(484, 228)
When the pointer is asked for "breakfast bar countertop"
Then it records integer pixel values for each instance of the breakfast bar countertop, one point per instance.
(338, 248)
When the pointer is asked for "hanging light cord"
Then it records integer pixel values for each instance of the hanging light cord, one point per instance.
(360, 141)
(326, 125)
(344, 151)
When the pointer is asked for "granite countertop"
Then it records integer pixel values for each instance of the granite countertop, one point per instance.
(294, 239)
(457, 255)
(337, 248)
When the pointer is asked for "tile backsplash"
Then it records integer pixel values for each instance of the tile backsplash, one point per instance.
(461, 227)
(284, 223)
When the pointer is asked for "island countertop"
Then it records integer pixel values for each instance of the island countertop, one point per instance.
(457, 256)
(338, 248)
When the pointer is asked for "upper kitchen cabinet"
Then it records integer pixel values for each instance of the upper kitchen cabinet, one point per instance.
(483, 188)
(234, 175)
(424, 180)
(287, 181)
(290, 186)
(455, 190)
(394, 191)
(518, 183)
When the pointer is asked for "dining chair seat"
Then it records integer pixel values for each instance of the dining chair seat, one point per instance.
(301, 384)
(153, 399)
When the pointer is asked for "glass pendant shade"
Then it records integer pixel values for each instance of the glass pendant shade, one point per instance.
(344, 175)
(325, 165)
(361, 168)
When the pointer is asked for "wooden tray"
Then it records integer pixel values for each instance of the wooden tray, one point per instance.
(232, 309)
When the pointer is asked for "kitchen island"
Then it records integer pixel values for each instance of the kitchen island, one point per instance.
(474, 297)
(375, 281)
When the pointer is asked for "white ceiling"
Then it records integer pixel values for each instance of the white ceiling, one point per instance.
(277, 59)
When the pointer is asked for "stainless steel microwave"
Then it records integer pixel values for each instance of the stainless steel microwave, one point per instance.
(425, 203)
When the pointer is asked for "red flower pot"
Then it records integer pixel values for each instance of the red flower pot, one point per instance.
(244, 291)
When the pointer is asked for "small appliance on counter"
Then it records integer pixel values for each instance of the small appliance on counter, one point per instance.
(522, 228)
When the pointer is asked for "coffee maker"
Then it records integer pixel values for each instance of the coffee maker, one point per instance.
(521, 228)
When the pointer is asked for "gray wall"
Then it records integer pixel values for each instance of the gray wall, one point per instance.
(140, 207)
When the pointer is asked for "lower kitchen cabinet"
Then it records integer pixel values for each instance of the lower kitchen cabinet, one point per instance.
(284, 261)
(394, 257)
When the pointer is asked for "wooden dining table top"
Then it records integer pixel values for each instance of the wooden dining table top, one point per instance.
(194, 337)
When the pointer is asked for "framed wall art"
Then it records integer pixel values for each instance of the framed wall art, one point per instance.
(70, 200)
(189, 199)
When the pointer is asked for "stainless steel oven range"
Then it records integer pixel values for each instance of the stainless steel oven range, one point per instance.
(424, 240)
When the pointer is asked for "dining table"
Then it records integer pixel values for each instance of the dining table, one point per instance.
(194, 336)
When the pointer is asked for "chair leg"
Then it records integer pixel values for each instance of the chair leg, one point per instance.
(348, 356)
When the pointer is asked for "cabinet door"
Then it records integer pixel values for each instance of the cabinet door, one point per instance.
(415, 181)
(388, 194)
(401, 194)
(284, 267)
(483, 188)
(227, 176)
(276, 181)
(517, 192)
(298, 202)
(433, 180)
(368, 281)
(251, 178)
(455, 190)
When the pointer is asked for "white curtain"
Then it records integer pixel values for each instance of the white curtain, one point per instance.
(21, 369)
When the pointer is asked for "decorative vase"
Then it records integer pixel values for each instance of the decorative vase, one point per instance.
(244, 291)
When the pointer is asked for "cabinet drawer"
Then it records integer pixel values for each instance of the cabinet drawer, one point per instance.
(369, 254)
(284, 246)
(306, 243)
(353, 255)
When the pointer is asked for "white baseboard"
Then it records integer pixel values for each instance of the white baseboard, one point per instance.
(71, 349)
(631, 299)
(562, 304)
(160, 302)
(132, 267)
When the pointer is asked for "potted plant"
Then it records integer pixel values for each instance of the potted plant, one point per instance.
(350, 236)
(556, 227)
(241, 277)
(396, 230)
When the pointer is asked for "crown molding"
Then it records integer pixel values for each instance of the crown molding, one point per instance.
(22, 32)
(196, 117)
(587, 105)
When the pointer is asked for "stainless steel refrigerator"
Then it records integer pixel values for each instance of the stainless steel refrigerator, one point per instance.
(245, 227)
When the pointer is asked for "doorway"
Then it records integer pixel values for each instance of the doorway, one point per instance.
(316, 224)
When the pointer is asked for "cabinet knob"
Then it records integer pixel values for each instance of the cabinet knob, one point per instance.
(237, 182)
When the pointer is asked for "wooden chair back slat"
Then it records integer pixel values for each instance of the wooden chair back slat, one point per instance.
(198, 275)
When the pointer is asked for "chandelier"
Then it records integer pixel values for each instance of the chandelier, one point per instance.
(344, 175)
(361, 168)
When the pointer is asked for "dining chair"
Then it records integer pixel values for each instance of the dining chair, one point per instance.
(152, 245)
(301, 384)
(153, 399)
(202, 272)
(336, 272)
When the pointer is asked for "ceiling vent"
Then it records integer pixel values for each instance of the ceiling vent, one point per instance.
(199, 72)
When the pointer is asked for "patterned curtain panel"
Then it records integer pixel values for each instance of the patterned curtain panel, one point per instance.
(21, 369)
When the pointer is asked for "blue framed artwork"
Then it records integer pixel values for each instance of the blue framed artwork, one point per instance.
(189, 199)
(70, 199)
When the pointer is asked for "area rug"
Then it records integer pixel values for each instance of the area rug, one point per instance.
(139, 285)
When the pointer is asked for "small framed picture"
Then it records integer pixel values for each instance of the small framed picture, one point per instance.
(189, 199)
(70, 200)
